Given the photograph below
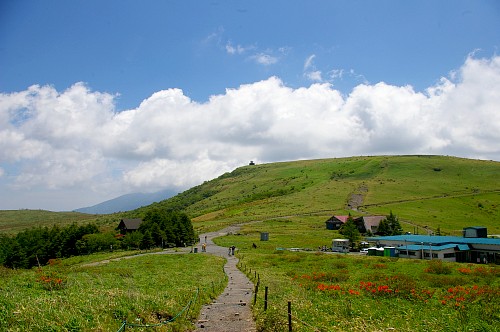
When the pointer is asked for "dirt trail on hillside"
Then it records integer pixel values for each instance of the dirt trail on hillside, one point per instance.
(230, 312)
(356, 199)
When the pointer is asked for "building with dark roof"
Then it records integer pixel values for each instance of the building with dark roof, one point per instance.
(365, 224)
(335, 222)
(368, 224)
(129, 225)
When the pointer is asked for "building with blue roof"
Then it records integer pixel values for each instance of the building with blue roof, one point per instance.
(473, 247)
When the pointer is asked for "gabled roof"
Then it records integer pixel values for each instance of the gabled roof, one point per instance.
(130, 224)
(372, 218)
(371, 221)
(342, 219)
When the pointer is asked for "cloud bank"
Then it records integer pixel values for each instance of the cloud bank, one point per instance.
(75, 140)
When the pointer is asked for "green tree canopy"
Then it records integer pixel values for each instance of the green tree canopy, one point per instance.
(390, 226)
(350, 231)
(168, 227)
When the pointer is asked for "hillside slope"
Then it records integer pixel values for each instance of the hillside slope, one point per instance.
(424, 191)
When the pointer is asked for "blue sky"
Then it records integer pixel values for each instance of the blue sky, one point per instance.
(135, 48)
(102, 98)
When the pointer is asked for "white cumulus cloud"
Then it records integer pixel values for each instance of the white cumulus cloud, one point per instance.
(75, 140)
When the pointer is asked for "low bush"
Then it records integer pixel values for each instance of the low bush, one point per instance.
(438, 267)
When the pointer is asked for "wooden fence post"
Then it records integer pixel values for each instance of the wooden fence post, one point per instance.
(255, 296)
(289, 316)
(265, 299)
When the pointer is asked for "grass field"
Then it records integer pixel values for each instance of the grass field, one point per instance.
(359, 293)
(327, 291)
(67, 296)
(293, 200)
(13, 221)
(432, 191)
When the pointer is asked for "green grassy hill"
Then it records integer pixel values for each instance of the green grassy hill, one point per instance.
(423, 191)
(13, 221)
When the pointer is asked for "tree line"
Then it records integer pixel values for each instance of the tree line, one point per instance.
(37, 245)
(161, 228)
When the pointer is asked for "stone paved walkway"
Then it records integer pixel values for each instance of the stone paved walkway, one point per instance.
(230, 312)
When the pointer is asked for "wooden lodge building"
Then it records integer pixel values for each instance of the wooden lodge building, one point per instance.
(129, 225)
(365, 224)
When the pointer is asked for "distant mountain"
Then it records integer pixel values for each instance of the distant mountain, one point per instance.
(127, 202)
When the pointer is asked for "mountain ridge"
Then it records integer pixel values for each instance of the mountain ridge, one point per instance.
(127, 202)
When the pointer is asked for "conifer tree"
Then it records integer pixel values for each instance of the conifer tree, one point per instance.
(390, 226)
(350, 231)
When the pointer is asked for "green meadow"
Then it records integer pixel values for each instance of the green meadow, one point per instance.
(291, 201)
(425, 192)
(13, 221)
(70, 295)
(359, 293)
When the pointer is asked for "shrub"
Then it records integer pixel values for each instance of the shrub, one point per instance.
(339, 264)
(438, 267)
(464, 270)
(379, 266)
(444, 280)
(50, 280)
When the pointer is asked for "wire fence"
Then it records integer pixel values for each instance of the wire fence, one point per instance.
(293, 320)
(185, 309)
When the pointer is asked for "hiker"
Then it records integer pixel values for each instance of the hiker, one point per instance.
(229, 253)
(232, 250)
(205, 239)
(204, 247)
